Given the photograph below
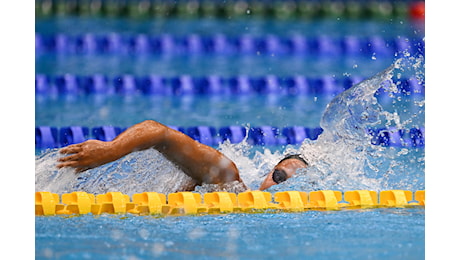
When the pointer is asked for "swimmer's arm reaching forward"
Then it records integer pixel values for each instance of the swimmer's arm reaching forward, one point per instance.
(201, 162)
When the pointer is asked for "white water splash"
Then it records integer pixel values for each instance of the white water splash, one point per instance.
(135, 173)
(343, 157)
(341, 153)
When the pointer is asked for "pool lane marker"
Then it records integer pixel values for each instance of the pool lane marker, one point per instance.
(191, 203)
(275, 10)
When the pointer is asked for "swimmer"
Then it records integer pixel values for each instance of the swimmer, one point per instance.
(202, 163)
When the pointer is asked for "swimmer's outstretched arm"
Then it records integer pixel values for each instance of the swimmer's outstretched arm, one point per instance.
(201, 162)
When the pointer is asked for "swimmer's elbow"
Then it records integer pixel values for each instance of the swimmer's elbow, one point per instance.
(232, 175)
(234, 172)
(217, 175)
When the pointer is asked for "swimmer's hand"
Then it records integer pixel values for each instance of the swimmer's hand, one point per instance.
(87, 155)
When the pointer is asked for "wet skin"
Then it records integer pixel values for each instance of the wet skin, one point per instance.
(202, 163)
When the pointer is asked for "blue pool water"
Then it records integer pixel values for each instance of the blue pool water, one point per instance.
(355, 234)
(343, 160)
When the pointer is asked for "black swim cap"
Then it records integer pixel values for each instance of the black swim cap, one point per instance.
(294, 156)
(279, 176)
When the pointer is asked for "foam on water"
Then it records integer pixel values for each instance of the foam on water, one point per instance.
(342, 158)
(135, 173)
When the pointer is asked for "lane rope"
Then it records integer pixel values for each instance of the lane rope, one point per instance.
(281, 10)
(48, 137)
(186, 203)
(220, 44)
(128, 84)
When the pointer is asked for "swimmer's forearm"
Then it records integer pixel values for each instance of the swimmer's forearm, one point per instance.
(93, 153)
(138, 137)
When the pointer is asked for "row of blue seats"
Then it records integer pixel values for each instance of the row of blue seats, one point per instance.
(185, 85)
(52, 137)
(115, 43)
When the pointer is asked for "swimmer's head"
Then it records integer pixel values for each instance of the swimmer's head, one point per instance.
(284, 170)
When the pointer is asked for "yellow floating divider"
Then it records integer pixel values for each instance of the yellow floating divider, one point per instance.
(361, 198)
(184, 203)
(78, 202)
(327, 199)
(148, 203)
(221, 202)
(420, 197)
(255, 200)
(292, 200)
(112, 202)
(395, 198)
(47, 203)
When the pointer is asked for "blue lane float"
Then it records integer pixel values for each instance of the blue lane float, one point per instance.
(203, 134)
(414, 137)
(47, 85)
(73, 134)
(46, 137)
(106, 133)
(193, 44)
(53, 137)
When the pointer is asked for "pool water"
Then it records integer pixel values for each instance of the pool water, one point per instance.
(347, 163)
(209, 110)
(347, 234)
